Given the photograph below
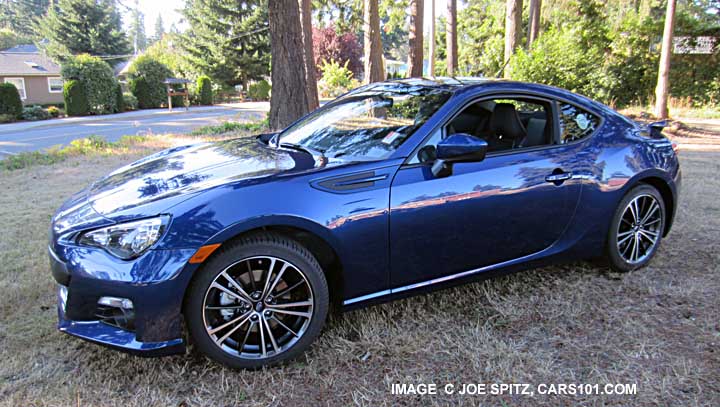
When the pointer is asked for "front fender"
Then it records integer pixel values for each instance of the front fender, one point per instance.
(260, 222)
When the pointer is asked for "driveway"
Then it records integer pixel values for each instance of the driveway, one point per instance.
(29, 136)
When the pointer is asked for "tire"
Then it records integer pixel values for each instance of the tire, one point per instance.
(295, 278)
(626, 234)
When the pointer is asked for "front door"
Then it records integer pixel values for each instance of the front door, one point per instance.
(512, 204)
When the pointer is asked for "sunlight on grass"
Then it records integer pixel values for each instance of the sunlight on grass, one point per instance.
(99, 146)
(228, 127)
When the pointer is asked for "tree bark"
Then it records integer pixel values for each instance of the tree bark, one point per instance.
(513, 23)
(311, 81)
(451, 40)
(415, 54)
(663, 84)
(431, 41)
(374, 70)
(534, 23)
(289, 99)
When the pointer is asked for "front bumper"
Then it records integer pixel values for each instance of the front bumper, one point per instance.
(114, 337)
(155, 283)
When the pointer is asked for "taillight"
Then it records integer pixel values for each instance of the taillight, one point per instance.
(675, 147)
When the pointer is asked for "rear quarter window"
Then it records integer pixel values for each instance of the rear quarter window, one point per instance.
(575, 123)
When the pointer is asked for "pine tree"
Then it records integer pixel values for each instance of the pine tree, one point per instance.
(451, 38)
(83, 27)
(228, 39)
(159, 29)
(137, 29)
(289, 96)
(513, 25)
(374, 70)
(415, 54)
(663, 85)
(19, 16)
(306, 23)
(534, 21)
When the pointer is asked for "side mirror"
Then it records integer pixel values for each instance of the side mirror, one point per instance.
(458, 147)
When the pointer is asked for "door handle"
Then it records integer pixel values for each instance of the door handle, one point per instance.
(558, 178)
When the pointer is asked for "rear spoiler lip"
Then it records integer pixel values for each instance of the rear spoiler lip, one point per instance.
(655, 129)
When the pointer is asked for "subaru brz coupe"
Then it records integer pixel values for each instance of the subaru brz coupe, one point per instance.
(396, 188)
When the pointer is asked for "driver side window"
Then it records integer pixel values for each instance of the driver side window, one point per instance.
(504, 123)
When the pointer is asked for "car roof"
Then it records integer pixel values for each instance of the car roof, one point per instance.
(464, 85)
(472, 82)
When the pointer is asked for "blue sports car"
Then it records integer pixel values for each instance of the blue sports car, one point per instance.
(393, 189)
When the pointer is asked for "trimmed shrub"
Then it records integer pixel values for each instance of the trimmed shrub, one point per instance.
(76, 103)
(336, 79)
(53, 111)
(97, 79)
(259, 90)
(10, 103)
(146, 82)
(119, 101)
(129, 101)
(141, 90)
(204, 90)
(32, 113)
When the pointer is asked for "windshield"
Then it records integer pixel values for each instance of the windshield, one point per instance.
(368, 124)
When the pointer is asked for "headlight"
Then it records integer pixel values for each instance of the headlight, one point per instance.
(126, 240)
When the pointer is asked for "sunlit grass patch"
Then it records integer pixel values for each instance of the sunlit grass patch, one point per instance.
(230, 127)
(92, 145)
(99, 146)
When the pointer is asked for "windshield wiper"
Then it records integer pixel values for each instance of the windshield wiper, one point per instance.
(313, 152)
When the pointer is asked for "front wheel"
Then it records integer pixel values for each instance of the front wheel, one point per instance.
(636, 229)
(260, 300)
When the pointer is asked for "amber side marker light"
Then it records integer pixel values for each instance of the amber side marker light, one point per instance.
(203, 253)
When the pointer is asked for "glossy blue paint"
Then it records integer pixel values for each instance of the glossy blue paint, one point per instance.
(395, 228)
(461, 147)
(117, 338)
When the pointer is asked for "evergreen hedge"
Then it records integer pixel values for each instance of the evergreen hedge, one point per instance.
(76, 103)
(147, 77)
(97, 79)
(204, 90)
(259, 90)
(119, 101)
(141, 90)
(10, 103)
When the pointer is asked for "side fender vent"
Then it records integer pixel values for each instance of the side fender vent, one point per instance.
(349, 183)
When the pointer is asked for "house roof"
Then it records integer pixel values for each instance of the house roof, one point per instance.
(26, 60)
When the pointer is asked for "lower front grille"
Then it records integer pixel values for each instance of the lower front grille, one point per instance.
(117, 317)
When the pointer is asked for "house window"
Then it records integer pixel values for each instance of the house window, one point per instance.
(19, 84)
(55, 85)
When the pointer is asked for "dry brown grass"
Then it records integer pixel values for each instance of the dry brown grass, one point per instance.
(657, 327)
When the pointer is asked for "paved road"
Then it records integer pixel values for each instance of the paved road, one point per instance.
(18, 137)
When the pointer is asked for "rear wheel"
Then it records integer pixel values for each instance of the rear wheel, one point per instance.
(259, 301)
(636, 229)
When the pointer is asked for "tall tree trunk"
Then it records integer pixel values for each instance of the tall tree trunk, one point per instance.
(289, 96)
(415, 54)
(451, 40)
(513, 23)
(663, 84)
(374, 70)
(431, 41)
(311, 81)
(534, 23)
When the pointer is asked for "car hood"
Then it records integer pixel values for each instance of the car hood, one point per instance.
(185, 170)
